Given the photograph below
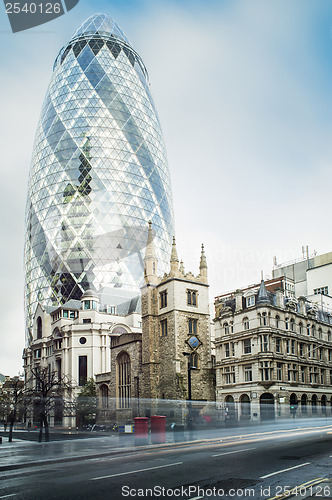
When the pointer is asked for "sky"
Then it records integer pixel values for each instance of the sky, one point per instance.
(243, 92)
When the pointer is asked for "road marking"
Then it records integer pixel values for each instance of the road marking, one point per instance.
(230, 452)
(195, 498)
(294, 490)
(11, 495)
(284, 470)
(135, 471)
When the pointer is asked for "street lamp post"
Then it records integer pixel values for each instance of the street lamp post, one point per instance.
(189, 416)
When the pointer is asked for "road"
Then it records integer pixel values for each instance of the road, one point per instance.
(262, 463)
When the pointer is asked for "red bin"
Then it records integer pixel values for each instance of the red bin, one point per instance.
(141, 430)
(158, 429)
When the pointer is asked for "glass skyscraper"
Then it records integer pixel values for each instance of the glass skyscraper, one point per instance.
(99, 173)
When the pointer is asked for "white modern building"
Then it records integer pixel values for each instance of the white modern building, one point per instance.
(74, 340)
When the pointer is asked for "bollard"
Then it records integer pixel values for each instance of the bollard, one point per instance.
(158, 429)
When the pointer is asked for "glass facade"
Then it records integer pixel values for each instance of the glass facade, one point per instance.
(99, 173)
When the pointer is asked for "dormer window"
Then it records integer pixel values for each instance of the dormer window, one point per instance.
(89, 304)
(250, 301)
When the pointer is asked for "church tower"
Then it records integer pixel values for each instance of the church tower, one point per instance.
(175, 329)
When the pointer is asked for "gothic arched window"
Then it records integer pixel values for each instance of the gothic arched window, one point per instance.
(39, 328)
(124, 380)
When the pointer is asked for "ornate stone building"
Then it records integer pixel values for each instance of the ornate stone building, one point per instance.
(273, 353)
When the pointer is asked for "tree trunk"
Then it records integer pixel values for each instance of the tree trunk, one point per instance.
(11, 426)
(47, 432)
(40, 436)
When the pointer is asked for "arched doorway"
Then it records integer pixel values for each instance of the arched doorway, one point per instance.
(293, 403)
(304, 404)
(245, 407)
(230, 412)
(314, 404)
(267, 406)
(323, 404)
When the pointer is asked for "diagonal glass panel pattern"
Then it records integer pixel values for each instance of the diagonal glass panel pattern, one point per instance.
(99, 172)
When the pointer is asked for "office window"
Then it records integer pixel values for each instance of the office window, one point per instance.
(322, 376)
(292, 325)
(264, 343)
(324, 290)
(277, 321)
(82, 370)
(292, 372)
(301, 328)
(287, 346)
(246, 324)
(265, 368)
(248, 373)
(163, 299)
(303, 372)
(293, 346)
(278, 344)
(229, 375)
(226, 328)
(227, 350)
(301, 349)
(163, 327)
(279, 371)
(287, 323)
(247, 346)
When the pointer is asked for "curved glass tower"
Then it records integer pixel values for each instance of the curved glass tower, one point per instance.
(99, 173)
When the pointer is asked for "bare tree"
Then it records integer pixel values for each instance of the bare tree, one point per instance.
(45, 392)
(12, 396)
